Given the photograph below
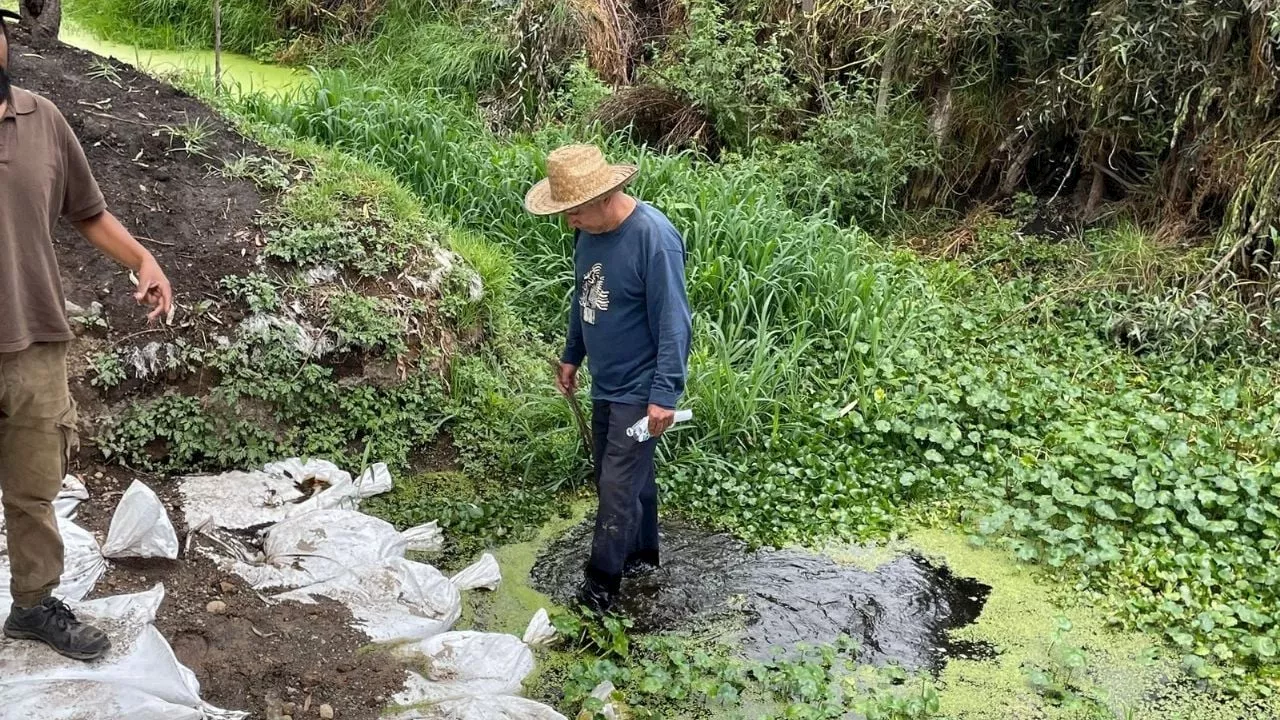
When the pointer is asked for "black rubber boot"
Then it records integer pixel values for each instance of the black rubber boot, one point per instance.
(598, 592)
(53, 623)
(641, 564)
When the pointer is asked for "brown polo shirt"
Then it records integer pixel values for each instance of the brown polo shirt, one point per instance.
(43, 176)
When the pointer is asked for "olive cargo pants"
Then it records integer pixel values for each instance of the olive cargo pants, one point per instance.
(37, 434)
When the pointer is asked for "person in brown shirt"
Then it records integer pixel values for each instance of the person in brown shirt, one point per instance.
(44, 176)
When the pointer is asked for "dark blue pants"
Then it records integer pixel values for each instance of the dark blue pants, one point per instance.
(627, 516)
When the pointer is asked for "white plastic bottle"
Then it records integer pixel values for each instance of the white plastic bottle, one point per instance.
(640, 431)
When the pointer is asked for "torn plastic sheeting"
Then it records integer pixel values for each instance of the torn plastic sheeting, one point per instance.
(375, 480)
(484, 573)
(240, 500)
(484, 707)
(540, 631)
(342, 491)
(320, 545)
(299, 471)
(309, 341)
(397, 601)
(69, 498)
(140, 527)
(236, 500)
(425, 538)
(83, 564)
(462, 664)
(139, 678)
(604, 693)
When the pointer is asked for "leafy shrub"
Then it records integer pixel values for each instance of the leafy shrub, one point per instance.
(256, 291)
(581, 92)
(742, 84)
(367, 323)
(852, 162)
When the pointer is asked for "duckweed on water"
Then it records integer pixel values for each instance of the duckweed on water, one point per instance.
(509, 608)
(1115, 674)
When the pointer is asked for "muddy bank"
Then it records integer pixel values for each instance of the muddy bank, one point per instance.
(157, 154)
(249, 655)
(899, 613)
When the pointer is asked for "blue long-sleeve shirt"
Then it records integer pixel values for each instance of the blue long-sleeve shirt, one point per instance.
(630, 314)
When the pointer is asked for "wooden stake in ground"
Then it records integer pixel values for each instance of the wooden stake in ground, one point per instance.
(217, 46)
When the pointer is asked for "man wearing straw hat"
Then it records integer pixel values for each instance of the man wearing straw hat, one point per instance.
(630, 317)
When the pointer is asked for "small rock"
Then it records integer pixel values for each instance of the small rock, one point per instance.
(326, 712)
(74, 310)
(286, 717)
(98, 476)
(227, 587)
(216, 607)
(288, 708)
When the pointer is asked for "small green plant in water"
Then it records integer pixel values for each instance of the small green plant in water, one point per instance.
(664, 675)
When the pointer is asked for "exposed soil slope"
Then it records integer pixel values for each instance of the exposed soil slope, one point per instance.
(202, 227)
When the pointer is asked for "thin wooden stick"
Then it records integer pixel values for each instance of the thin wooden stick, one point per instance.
(157, 242)
(583, 430)
(217, 46)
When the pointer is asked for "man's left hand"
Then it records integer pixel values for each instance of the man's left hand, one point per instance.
(153, 289)
(660, 419)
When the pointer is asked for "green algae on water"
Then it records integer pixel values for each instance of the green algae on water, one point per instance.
(240, 73)
(1124, 674)
(509, 608)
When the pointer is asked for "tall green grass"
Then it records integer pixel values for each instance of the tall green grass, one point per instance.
(417, 48)
(786, 307)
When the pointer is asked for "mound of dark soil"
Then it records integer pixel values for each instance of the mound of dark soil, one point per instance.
(201, 226)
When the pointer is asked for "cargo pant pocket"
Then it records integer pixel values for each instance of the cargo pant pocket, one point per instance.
(70, 435)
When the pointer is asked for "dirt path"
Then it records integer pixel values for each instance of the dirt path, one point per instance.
(202, 227)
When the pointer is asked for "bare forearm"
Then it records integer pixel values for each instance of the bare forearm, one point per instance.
(107, 234)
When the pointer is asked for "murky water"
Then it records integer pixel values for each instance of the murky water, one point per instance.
(900, 612)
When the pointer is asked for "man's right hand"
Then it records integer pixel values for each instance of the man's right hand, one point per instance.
(567, 379)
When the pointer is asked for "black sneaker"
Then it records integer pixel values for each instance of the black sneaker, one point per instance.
(53, 623)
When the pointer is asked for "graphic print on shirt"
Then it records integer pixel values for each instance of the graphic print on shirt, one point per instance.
(593, 296)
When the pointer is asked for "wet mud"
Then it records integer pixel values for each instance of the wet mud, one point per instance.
(898, 613)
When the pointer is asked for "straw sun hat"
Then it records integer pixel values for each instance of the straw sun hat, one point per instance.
(576, 175)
